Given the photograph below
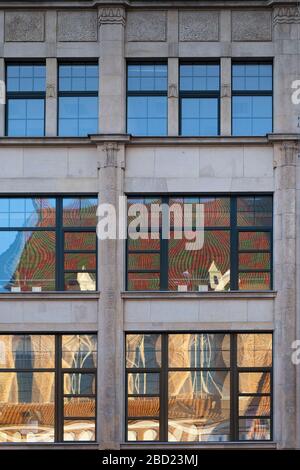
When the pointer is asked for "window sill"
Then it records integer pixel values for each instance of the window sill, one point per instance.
(199, 295)
(50, 295)
(200, 445)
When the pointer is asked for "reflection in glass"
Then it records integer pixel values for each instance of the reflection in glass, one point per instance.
(254, 382)
(252, 115)
(199, 406)
(80, 241)
(27, 406)
(254, 429)
(254, 405)
(79, 430)
(204, 269)
(21, 212)
(199, 350)
(143, 406)
(143, 430)
(254, 350)
(27, 351)
(80, 281)
(254, 281)
(25, 117)
(80, 212)
(79, 351)
(143, 281)
(79, 384)
(143, 351)
(79, 407)
(27, 260)
(143, 383)
(147, 115)
(199, 116)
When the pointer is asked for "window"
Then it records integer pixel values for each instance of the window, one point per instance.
(199, 387)
(47, 243)
(199, 99)
(47, 388)
(78, 99)
(25, 112)
(252, 100)
(236, 253)
(147, 102)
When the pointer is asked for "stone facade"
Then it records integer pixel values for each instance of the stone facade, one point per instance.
(113, 163)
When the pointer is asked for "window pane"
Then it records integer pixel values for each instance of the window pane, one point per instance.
(199, 77)
(25, 117)
(143, 406)
(254, 210)
(148, 77)
(144, 261)
(143, 351)
(254, 350)
(78, 77)
(254, 281)
(80, 281)
(26, 77)
(79, 384)
(143, 281)
(199, 406)
(252, 115)
(80, 212)
(27, 406)
(27, 212)
(79, 407)
(27, 260)
(147, 115)
(144, 244)
(258, 261)
(253, 77)
(143, 430)
(206, 269)
(143, 383)
(79, 351)
(254, 382)
(199, 350)
(79, 430)
(27, 351)
(254, 406)
(254, 429)
(254, 241)
(199, 116)
(80, 261)
(80, 240)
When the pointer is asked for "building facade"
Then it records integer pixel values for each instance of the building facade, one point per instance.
(141, 343)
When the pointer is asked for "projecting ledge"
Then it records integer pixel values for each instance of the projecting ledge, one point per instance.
(50, 296)
(140, 295)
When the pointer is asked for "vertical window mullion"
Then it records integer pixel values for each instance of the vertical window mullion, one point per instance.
(59, 245)
(59, 405)
(164, 392)
(233, 245)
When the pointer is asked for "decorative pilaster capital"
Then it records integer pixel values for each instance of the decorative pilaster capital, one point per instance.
(112, 156)
(173, 91)
(112, 15)
(286, 15)
(288, 154)
(50, 90)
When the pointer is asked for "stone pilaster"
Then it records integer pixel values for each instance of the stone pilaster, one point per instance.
(173, 99)
(285, 380)
(112, 70)
(110, 314)
(225, 108)
(2, 97)
(51, 97)
(286, 33)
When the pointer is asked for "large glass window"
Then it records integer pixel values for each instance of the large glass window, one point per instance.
(78, 99)
(47, 243)
(199, 99)
(236, 253)
(147, 105)
(252, 101)
(199, 387)
(47, 387)
(25, 109)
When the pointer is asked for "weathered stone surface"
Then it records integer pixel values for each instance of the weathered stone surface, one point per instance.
(77, 26)
(24, 26)
(286, 15)
(146, 26)
(198, 26)
(251, 26)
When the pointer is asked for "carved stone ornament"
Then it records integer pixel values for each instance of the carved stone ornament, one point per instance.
(289, 151)
(77, 26)
(287, 15)
(24, 26)
(251, 25)
(111, 15)
(225, 91)
(173, 92)
(146, 26)
(50, 91)
(110, 156)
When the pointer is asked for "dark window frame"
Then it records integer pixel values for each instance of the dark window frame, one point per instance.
(59, 229)
(232, 228)
(233, 370)
(145, 93)
(216, 94)
(59, 394)
(19, 95)
(78, 93)
(252, 92)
